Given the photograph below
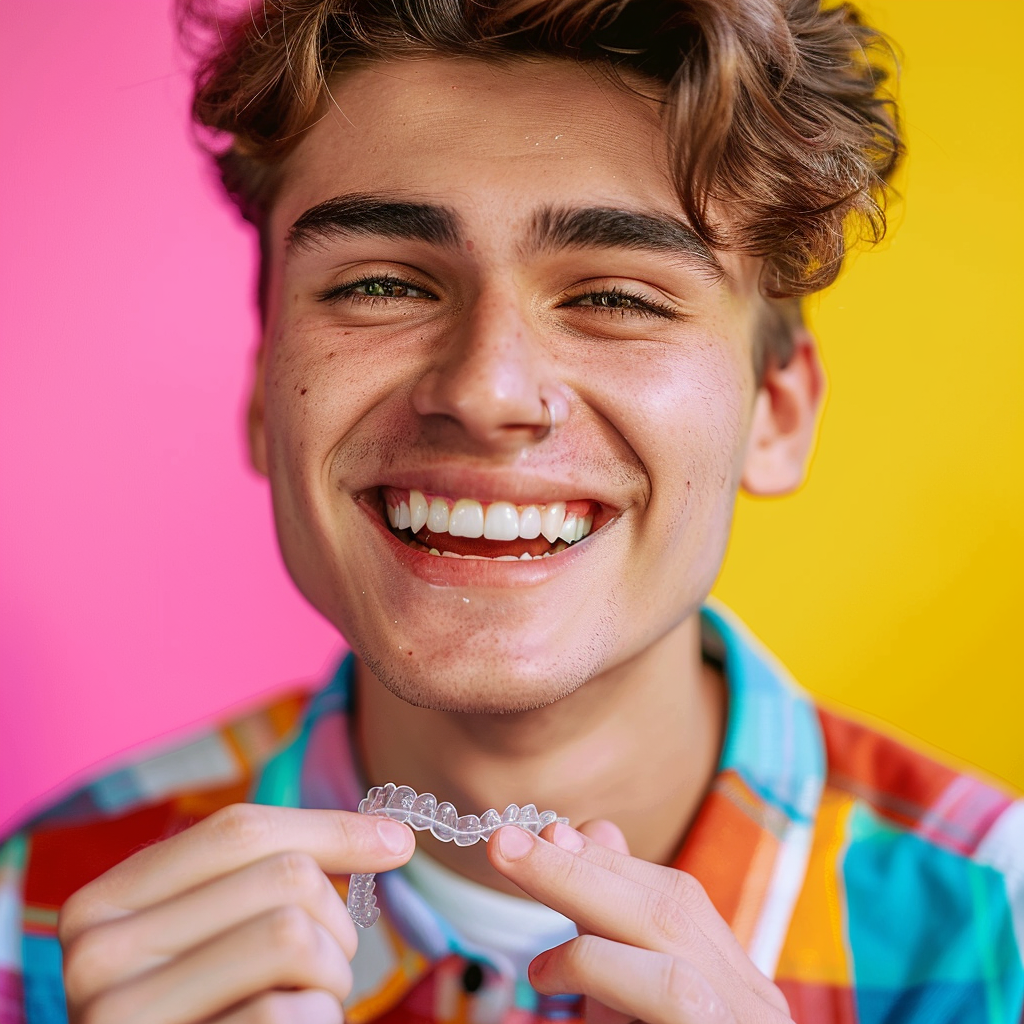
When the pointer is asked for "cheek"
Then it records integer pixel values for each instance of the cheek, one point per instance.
(699, 471)
(684, 413)
(320, 382)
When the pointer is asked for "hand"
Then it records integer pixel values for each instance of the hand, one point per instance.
(233, 920)
(651, 945)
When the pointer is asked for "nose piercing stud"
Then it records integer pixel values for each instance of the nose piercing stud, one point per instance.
(549, 428)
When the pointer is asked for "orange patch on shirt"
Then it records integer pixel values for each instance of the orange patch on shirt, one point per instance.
(816, 949)
(731, 853)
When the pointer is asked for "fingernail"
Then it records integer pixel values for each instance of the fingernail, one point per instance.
(514, 843)
(394, 836)
(567, 838)
(538, 963)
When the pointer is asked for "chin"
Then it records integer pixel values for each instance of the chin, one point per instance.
(497, 684)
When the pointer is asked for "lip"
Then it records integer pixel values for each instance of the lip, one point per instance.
(517, 488)
(459, 572)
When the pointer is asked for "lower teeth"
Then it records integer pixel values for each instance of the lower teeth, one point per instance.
(410, 539)
(524, 557)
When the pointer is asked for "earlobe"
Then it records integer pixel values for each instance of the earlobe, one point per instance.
(255, 417)
(784, 422)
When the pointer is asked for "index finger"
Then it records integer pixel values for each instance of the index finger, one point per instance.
(596, 897)
(684, 887)
(624, 899)
(341, 842)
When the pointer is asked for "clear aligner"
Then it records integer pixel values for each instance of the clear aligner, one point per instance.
(423, 813)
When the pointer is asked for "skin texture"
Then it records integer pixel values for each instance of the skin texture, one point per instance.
(575, 682)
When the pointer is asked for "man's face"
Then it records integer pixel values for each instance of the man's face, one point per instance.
(470, 280)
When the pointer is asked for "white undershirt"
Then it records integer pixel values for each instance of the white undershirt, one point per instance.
(516, 927)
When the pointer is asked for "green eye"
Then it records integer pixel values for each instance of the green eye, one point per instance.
(371, 288)
(389, 289)
(609, 300)
(615, 301)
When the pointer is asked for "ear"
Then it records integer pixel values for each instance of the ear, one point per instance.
(785, 419)
(255, 418)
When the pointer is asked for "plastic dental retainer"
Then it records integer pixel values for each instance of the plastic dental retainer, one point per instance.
(423, 813)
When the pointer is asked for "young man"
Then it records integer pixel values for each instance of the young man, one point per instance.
(530, 288)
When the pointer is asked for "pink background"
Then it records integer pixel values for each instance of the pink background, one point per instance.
(140, 586)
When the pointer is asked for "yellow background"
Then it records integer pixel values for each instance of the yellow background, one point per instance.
(891, 584)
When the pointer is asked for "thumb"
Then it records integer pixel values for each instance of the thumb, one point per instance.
(605, 833)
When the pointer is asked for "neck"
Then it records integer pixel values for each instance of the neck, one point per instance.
(637, 745)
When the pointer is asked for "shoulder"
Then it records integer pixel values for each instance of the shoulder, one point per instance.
(154, 795)
(101, 823)
(909, 793)
(917, 870)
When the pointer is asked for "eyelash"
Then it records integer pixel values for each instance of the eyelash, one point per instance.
(639, 306)
(349, 291)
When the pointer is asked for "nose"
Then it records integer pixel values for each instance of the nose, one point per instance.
(493, 379)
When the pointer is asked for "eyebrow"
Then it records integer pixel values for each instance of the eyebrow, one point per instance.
(607, 227)
(553, 228)
(362, 214)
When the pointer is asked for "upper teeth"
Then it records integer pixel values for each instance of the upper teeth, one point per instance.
(500, 520)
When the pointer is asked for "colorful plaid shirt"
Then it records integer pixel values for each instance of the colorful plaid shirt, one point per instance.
(873, 884)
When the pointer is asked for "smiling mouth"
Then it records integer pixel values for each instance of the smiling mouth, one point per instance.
(498, 531)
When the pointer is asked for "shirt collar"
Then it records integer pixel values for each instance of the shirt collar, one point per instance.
(750, 840)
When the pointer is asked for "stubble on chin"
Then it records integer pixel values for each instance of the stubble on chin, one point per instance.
(493, 684)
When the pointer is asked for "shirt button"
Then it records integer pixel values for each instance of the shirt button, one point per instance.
(472, 977)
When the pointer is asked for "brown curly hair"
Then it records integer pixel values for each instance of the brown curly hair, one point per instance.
(775, 110)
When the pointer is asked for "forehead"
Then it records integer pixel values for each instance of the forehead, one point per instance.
(481, 134)
(496, 143)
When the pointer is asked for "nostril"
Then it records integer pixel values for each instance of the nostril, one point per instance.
(496, 391)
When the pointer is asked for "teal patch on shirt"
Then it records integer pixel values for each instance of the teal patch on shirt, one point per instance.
(43, 980)
(967, 943)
